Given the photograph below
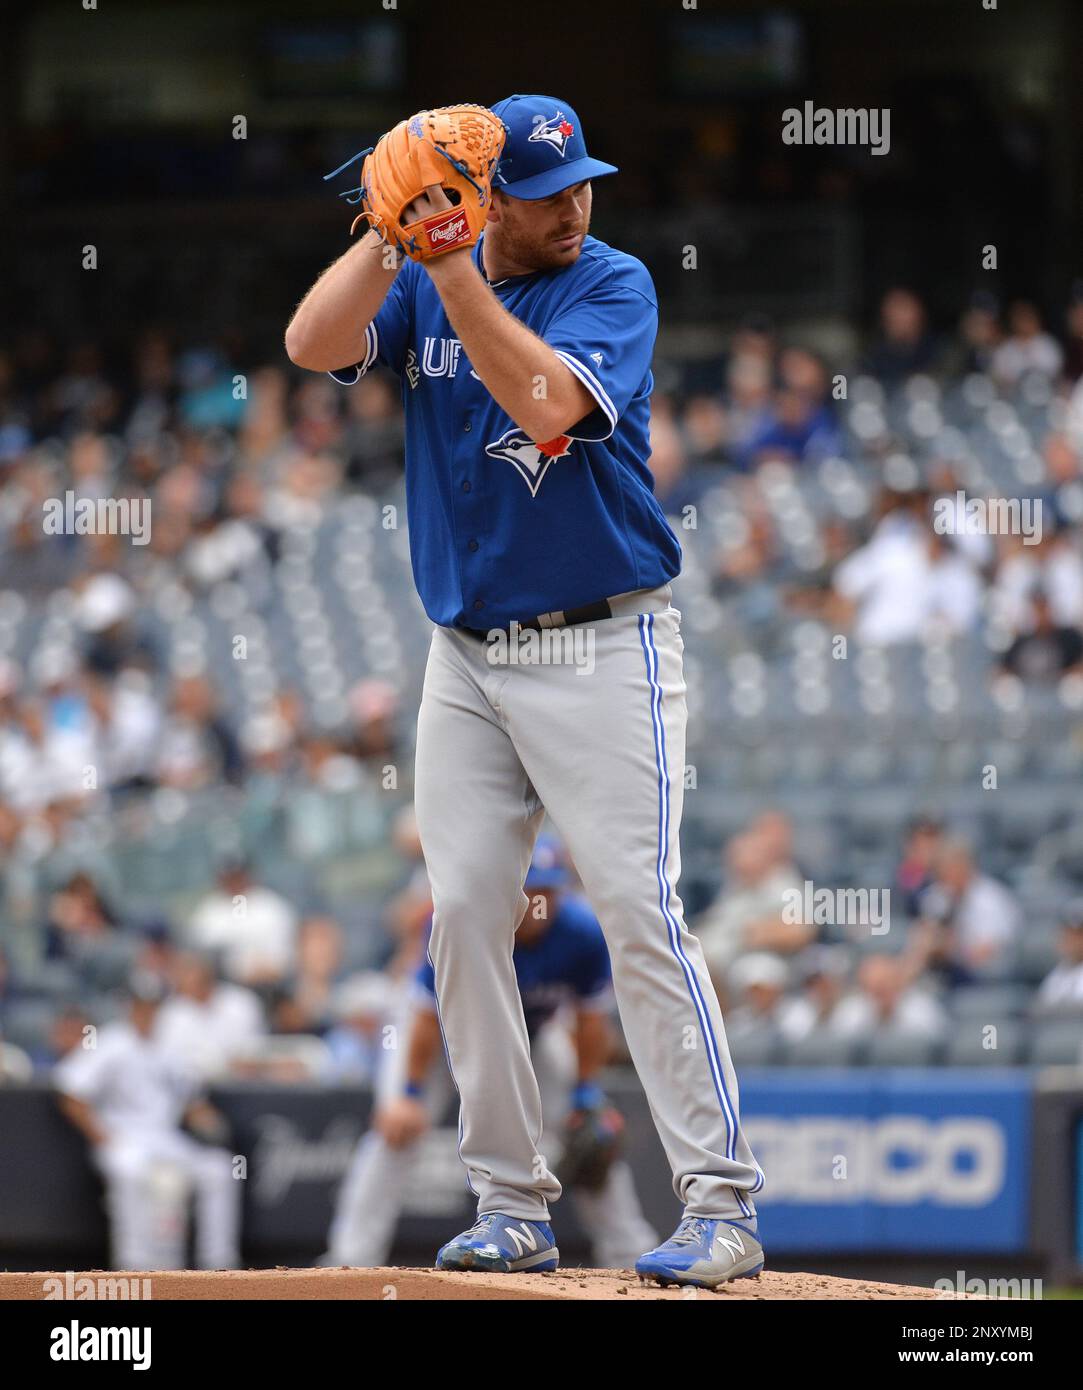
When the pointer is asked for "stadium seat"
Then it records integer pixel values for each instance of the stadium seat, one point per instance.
(1057, 1042)
(756, 1047)
(890, 1049)
(820, 1049)
(971, 1046)
(988, 1003)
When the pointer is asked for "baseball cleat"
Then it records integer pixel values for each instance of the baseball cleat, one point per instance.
(704, 1253)
(501, 1244)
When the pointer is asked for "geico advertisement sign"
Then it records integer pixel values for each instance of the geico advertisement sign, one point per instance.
(898, 1160)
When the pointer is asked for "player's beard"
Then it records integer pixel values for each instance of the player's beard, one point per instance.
(522, 244)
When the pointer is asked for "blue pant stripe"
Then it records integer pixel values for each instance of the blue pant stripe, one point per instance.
(646, 625)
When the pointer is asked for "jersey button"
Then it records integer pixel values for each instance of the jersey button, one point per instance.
(471, 545)
(466, 487)
(479, 603)
(467, 427)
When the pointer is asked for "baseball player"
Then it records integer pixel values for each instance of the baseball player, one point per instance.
(129, 1097)
(554, 678)
(562, 966)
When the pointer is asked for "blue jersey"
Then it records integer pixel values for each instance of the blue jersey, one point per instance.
(501, 531)
(569, 963)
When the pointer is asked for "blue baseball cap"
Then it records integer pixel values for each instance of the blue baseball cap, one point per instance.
(545, 150)
(547, 867)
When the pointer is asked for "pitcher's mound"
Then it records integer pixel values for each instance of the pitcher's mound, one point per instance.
(430, 1285)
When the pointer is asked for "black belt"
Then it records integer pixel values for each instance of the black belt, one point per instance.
(589, 613)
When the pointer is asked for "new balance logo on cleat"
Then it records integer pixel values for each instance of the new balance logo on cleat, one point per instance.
(736, 1246)
(524, 1238)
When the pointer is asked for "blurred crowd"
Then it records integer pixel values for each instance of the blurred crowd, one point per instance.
(890, 980)
(232, 459)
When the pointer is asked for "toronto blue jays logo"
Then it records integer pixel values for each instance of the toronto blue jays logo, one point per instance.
(555, 132)
(533, 462)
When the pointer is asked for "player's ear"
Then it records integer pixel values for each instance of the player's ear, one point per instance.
(496, 206)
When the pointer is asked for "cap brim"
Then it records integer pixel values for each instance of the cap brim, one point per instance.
(555, 180)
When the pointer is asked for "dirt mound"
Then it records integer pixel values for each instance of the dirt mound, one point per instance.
(430, 1285)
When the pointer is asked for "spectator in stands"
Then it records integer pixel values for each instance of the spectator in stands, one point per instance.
(704, 426)
(798, 423)
(888, 1000)
(924, 841)
(1047, 652)
(1061, 992)
(1052, 566)
(105, 607)
(320, 951)
(904, 345)
(198, 745)
(825, 972)
(748, 399)
(749, 913)
(1027, 348)
(757, 988)
(906, 581)
(668, 458)
(253, 928)
(373, 437)
(968, 921)
(880, 586)
(156, 953)
(79, 921)
(207, 1021)
(129, 724)
(1063, 491)
(980, 333)
(374, 706)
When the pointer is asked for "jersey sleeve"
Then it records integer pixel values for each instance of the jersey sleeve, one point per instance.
(593, 980)
(606, 338)
(388, 335)
(83, 1073)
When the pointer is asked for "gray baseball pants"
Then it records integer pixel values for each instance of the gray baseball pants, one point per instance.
(586, 723)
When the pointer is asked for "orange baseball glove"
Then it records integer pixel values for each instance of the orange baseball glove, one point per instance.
(456, 147)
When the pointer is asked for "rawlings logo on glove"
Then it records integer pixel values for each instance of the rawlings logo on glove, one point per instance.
(454, 147)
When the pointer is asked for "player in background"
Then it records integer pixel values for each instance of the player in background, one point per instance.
(563, 971)
(129, 1097)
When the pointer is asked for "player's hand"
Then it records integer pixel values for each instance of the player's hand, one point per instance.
(434, 199)
(401, 1121)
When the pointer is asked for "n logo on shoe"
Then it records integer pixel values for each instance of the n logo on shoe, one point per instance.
(524, 1239)
(735, 1246)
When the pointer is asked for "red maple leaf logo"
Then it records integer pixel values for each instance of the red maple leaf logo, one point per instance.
(566, 128)
(553, 448)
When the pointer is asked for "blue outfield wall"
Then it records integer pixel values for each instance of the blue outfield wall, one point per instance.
(892, 1160)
